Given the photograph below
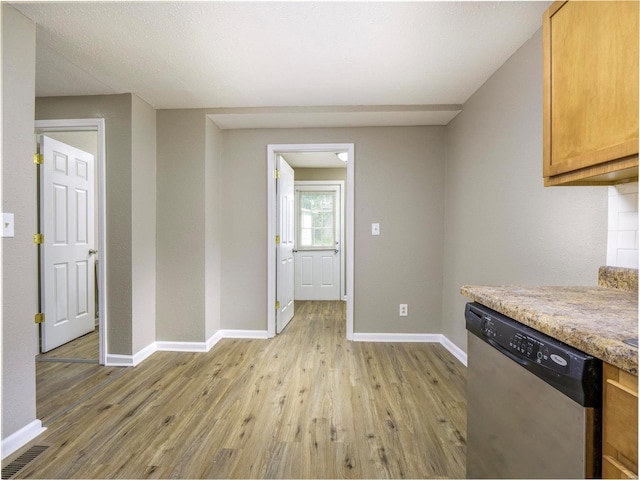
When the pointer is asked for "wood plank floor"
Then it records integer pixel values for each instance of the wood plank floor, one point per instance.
(82, 348)
(306, 404)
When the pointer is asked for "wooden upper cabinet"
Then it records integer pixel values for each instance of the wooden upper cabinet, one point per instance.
(590, 92)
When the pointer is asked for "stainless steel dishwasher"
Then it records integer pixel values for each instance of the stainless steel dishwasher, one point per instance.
(533, 403)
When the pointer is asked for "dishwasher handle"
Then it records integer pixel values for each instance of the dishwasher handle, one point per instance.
(522, 361)
(476, 325)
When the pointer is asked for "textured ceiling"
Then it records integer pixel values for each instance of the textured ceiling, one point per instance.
(244, 55)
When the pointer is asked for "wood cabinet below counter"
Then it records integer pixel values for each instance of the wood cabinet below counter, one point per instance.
(590, 93)
(619, 423)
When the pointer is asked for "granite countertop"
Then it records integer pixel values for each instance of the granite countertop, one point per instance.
(595, 320)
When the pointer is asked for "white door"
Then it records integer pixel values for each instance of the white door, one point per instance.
(318, 250)
(67, 254)
(285, 233)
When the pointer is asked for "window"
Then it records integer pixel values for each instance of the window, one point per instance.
(317, 220)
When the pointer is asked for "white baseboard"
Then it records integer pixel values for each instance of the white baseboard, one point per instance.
(145, 353)
(454, 350)
(19, 439)
(259, 334)
(397, 337)
(215, 338)
(414, 337)
(115, 360)
(162, 346)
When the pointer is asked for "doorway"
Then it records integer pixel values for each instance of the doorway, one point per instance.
(273, 154)
(83, 134)
(318, 253)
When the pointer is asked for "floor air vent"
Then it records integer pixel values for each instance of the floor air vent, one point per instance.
(22, 461)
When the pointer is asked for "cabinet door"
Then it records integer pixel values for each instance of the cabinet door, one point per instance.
(590, 85)
(611, 468)
(619, 423)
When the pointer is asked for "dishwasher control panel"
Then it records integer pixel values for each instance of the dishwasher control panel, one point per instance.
(533, 347)
(573, 372)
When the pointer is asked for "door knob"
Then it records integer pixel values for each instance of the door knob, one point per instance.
(92, 251)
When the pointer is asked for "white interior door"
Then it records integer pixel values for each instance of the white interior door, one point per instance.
(67, 193)
(318, 259)
(285, 232)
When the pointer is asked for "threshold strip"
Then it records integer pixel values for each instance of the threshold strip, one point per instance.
(67, 360)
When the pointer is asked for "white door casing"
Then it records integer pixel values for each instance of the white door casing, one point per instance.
(272, 151)
(67, 192)
(318, 268)
(286, 234)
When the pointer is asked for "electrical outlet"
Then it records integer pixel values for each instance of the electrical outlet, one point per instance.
(404, 310)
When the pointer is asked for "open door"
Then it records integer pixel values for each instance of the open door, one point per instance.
(285, 237)
(67, 261)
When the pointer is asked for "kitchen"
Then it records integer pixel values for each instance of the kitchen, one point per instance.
(575, 409)
(491, 185)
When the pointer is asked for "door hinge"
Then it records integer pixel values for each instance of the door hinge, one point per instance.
(277, 174)
(277, 239)
(39, 318)
(38, 238)
(38, 158)
(277, 305)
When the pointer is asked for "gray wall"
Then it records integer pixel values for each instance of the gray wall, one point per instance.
(213, 217)
(181, 225)
(399, 182)
(143, 225)
(19, 258)
(501, 225)
(188, 226)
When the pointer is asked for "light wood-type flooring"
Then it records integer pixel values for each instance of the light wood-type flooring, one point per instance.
(84, 348)
(306, 404)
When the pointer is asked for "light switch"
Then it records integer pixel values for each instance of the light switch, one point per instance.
(7, 225)
(375, 229)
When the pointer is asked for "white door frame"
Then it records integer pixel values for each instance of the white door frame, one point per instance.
(272, 150)
(92, 125)
(340, 185)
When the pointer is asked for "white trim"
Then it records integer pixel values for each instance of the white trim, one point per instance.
(117, 360)
(454, 350)
(203, 347)
(92, 125)
(397, 337)
(114, 360)
(257, 334)
(145, 353)
(272, 150)
(19, 439)
(181, 347)
(163, 346)
(215, 338)
(414, 337)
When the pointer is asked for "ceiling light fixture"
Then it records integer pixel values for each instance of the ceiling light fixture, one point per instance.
(344, 156)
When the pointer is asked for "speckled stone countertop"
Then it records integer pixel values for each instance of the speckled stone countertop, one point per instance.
(595, 320)
(620, 278)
